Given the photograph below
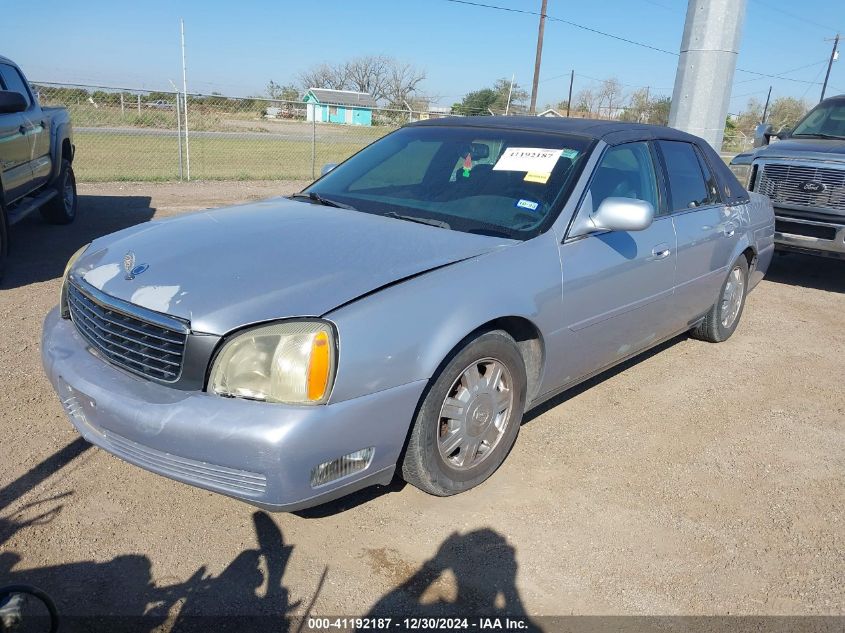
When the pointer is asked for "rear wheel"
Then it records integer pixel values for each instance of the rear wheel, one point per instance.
(61, 209)
(723, 318)
(469, 419)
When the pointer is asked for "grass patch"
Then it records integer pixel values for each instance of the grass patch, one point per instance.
(105, 157)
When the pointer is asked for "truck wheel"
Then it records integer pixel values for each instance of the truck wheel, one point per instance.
(723, 317)
(469, 419)
(61, 209)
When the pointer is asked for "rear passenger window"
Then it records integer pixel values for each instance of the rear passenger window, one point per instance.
(687, 188)
(625, 171)
(13, 81)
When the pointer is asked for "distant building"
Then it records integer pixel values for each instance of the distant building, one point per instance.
(339, 106)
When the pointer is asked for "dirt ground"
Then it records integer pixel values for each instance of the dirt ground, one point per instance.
(696, 479)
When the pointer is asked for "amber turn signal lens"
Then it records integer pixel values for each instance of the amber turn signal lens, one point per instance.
(319, 366)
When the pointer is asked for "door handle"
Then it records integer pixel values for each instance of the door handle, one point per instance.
(729, 229)
(661, 251)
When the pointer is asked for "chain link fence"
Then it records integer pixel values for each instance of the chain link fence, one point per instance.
(125, 134)
(128, 134)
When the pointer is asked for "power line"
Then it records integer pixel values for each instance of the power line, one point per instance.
(796, 16)
(785, 72)
(568, 22)
(616, 37)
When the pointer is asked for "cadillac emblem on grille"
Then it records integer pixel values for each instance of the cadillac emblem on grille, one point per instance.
(812, 186)
(131, 269)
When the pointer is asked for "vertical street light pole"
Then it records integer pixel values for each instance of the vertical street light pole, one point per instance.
(538, 57)
(510, 92)
(766, 107)
(833, 56)
(185, 100)
(569, 101)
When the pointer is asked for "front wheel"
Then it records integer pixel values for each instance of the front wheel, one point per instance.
(469, 419)
(61, 209)
(723, 317)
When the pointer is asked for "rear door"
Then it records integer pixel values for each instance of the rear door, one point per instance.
(15, 148)
(706, 230)
(618, 285)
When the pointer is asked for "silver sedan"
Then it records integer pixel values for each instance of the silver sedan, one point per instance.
(401, 313)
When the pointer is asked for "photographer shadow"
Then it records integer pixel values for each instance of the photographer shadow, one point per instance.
(484, 568)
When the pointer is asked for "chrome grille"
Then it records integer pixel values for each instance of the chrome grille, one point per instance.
(128, 341)
(781, 183)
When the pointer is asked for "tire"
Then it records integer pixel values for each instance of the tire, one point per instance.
(61, 209)
(489, 420)
(723, 318)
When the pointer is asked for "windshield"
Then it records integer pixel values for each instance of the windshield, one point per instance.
(477, 180)
(827, 120)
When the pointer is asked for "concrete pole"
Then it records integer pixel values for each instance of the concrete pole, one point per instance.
(706, 68)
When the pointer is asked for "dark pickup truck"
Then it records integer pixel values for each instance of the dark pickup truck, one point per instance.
(36, 157)
(802, 171)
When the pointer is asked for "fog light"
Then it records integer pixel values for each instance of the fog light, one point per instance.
(341, 467)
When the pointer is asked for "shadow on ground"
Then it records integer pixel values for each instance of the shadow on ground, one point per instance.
(808, 271)
(39, 251)
(121, 595)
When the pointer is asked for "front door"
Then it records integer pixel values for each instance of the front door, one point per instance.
(15, 144)
(618, 285)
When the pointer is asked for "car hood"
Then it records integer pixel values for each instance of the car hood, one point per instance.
(810, 148)
(225, 268)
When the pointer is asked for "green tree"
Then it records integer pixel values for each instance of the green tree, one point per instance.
(785, 112)
(476, 102)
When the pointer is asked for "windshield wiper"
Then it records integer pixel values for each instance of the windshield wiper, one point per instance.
(411, 218)
(819, 135)
(313, 196)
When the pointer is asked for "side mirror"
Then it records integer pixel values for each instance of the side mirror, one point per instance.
(622, 214)
(327, 168)
(762, 134)
(11, 102)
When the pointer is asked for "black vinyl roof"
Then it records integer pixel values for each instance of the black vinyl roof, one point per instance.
(611, 132)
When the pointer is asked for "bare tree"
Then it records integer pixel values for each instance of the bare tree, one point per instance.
(284, 93)
(323, 76)
(610, 94)
(402, 83)
(385, 78)
(586, 101)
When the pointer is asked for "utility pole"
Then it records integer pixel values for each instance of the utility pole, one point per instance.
(706, 67)
(510, 92)
(834, 54)
(569, 101)
(185, 103)
(766, 107)
(538, 57)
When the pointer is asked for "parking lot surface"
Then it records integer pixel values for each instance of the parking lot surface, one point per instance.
(696, 479)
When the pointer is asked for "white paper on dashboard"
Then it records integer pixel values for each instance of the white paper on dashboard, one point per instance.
(531, 159)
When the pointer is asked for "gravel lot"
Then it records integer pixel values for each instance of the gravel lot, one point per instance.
(697, 479)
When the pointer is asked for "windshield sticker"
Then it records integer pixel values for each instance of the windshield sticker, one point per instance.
(527, 204)
(571, 154)
(532, 176)
(529, 159)
(467, 165)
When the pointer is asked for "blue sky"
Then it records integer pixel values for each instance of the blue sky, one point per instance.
(237, 47)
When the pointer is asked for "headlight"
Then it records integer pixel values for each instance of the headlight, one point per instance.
(292, 362)
(63, 309)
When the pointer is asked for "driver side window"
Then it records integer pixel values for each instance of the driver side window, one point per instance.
(625, 171)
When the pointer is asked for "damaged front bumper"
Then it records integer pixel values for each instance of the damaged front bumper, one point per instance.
(258, 452)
